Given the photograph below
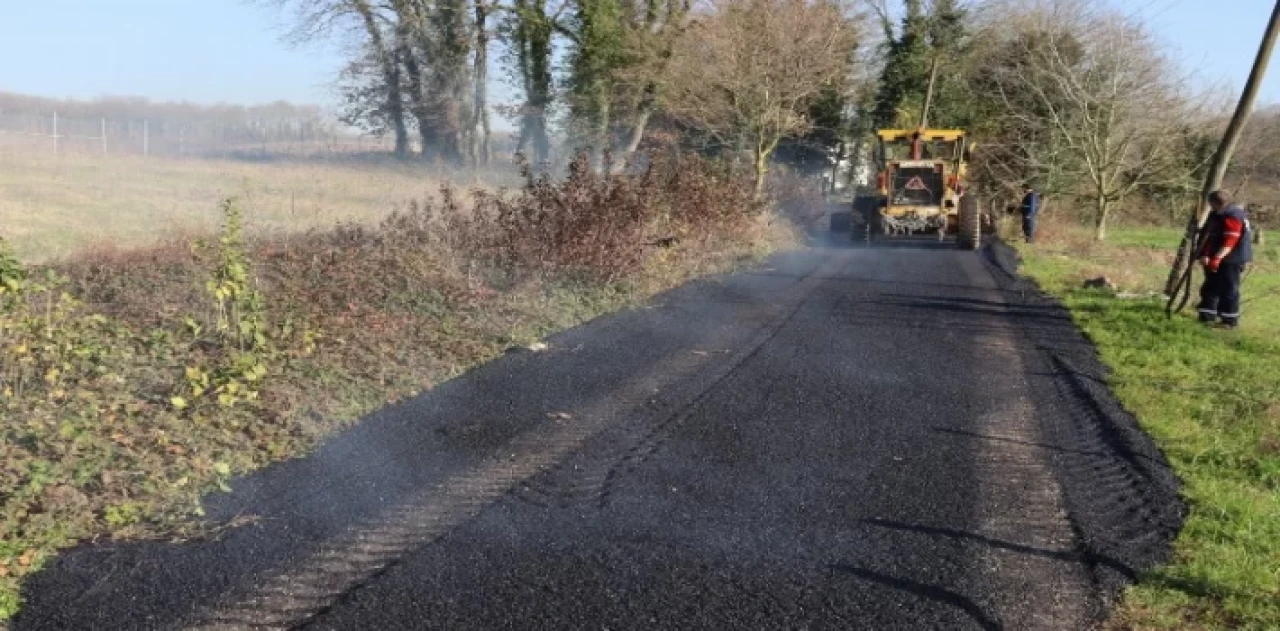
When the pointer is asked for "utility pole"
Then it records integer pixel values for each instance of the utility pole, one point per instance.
(1184, 263)
(928, 95)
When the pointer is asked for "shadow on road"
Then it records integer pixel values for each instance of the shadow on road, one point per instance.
(924, 590)
(1070, 556)
(971, 306)
(1002, 439)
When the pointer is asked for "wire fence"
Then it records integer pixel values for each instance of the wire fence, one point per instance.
(196, 139)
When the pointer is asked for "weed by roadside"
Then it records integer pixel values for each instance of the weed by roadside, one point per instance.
(135, 381)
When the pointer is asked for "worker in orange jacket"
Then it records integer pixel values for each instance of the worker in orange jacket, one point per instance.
(1224, 252)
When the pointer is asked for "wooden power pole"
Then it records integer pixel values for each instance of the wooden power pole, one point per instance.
(928, 95)
(1218, 168)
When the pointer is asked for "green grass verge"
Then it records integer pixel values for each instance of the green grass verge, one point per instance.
(1211, 400)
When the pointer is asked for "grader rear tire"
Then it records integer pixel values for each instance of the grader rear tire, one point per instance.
(870, 229)
(970, 233)
(841, 221)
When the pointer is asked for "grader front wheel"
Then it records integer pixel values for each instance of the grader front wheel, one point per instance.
(970, 233)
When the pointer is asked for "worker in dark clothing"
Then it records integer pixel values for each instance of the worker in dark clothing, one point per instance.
(1030, 207)
(1225, 250)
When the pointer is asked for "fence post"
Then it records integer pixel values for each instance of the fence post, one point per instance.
(104, 136)
(55, 132)
(146, 138)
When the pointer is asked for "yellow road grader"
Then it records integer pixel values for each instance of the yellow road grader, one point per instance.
(920, 188)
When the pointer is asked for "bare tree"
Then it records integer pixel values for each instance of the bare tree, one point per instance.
(372, 24)
(1091, 98)
(747, 70)
(423, 53)
(1256, 156)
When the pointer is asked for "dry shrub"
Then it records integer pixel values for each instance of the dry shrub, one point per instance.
(602, 225)
(607, 224)
(143, 286)
(459, 257)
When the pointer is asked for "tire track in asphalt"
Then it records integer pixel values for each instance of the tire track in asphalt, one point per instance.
(1120, 493)
(1021, 544)
(304, 591)
(1024, 519)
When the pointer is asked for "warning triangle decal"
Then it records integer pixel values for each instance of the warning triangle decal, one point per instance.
(916, 184)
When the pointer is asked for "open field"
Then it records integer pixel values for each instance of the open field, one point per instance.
(1211, 399)
(51, 206)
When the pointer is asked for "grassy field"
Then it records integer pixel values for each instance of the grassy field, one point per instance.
(1211, 400)
(52, 206)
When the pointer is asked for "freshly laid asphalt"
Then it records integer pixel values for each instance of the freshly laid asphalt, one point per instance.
(900, 437)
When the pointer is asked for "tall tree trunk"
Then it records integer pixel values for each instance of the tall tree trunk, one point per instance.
(835, 167)
(428, 136)
(641, 123)
(597, 35)
(448, 44)
(604, 114)
(763, 149)
(1100, 218)
(480, 78)
(535, 27)
(520, 43)
(390, 76)
(395, 109)
(540, 97)
(928, 94)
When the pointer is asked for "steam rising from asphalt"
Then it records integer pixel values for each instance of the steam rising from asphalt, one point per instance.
(309, 587)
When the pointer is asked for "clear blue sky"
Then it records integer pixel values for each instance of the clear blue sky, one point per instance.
(1217, 39)
(229, 50)
(196, 50)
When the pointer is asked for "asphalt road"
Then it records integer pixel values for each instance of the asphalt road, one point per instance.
(896, 437)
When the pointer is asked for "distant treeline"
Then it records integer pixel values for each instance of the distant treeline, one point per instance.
(224, 123)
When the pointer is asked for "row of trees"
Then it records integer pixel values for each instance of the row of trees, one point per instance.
(1072, 96)
(733, 76)
(1076, 97)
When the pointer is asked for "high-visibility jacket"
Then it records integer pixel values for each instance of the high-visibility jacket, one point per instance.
(1228, 229)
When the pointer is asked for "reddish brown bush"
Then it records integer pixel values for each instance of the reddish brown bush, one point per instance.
(606, 223)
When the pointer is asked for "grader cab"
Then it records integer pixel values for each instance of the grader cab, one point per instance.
(921, 188)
